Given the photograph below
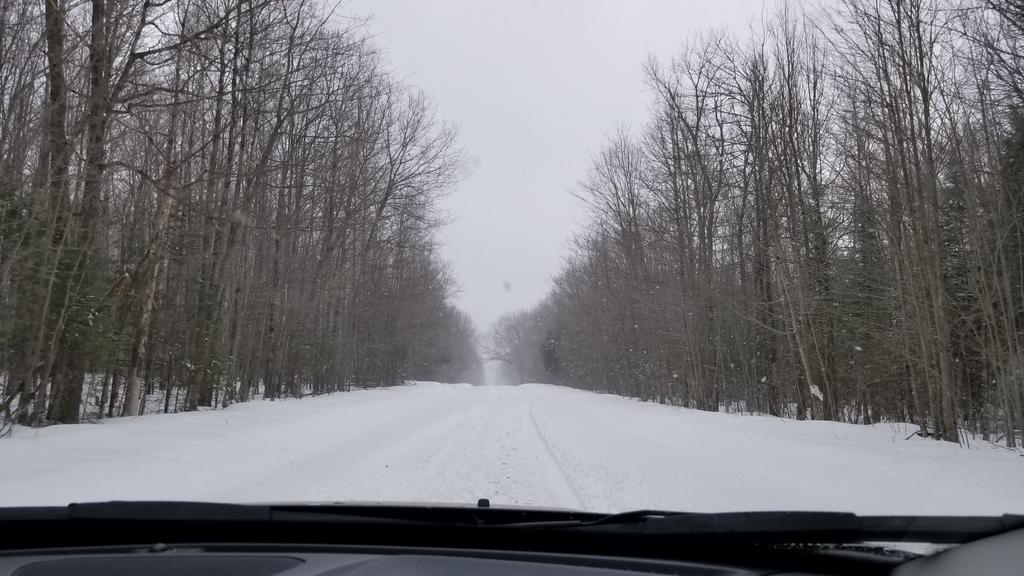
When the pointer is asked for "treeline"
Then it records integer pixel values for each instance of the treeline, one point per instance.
(823, 221)
(212, 200)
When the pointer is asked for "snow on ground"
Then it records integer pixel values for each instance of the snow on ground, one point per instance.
(527, 445)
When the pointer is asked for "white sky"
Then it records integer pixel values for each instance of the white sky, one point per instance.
(533, 86)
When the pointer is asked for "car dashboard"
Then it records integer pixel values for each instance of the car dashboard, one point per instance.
(185, 561)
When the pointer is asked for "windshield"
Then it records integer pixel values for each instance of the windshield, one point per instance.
(705, 256)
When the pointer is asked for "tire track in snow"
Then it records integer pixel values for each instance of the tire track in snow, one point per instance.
(374, 464)
(440, 461)
(496, 454)
(557, 465)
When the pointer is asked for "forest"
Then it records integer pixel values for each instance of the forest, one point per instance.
(823, 220)
(207, 201)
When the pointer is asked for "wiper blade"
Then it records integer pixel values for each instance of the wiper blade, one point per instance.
(832, 527)
(157, 510)
(768, 527)
(336, 513)
(665, 522)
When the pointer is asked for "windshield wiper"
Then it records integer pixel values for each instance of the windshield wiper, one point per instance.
(777, 527)
(796, 526)
(435, 515)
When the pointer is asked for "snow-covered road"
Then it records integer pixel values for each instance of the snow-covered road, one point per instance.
(528, 445)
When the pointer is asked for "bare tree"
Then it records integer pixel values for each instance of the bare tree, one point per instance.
(224, 200)
(823, 223)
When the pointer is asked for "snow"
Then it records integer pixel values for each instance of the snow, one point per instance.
(533, 445)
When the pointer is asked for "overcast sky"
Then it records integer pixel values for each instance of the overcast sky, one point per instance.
(533, 86)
